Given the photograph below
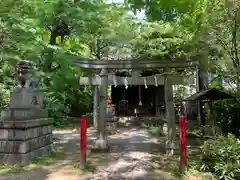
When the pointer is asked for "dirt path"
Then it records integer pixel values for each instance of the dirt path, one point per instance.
(130, 157)
(133, 160)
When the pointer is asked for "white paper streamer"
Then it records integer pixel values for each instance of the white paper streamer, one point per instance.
(145, 83)
(156, 82)
(126, 83)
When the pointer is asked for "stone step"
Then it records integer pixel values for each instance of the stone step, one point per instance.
(18, 114)
(24, 159)
(25, 123)
(23, 147)
(24, 134)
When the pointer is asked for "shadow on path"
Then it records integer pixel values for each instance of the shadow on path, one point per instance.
(131, 157)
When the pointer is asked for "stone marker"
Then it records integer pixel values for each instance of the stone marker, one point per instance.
(25, 129)
(111, 124)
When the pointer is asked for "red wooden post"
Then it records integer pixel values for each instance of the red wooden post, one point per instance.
(183, 145)
(83, 142)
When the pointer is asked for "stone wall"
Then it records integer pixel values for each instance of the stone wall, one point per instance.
(23, 141)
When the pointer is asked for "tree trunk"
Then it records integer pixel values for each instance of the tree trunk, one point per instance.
(47, 67)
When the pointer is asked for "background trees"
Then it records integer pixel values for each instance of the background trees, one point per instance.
(50, 33)
(209, 32)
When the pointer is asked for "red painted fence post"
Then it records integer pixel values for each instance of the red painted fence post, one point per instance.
(183, 145)
(83, 142)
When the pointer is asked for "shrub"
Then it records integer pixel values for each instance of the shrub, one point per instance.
(227, 115)
(156, 130)
(4, 96)
(221, 156)
(227, 112)
(57, 109)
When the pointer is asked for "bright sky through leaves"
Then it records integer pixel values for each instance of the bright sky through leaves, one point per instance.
(140, 15)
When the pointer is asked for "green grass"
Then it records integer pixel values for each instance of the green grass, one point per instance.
(115, 133)
(89, 169)
(37, 163)
(192, 172)
(9, 169)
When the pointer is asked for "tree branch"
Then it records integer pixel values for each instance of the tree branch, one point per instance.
(235, 29)
(49, 28)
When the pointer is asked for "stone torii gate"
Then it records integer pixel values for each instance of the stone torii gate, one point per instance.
(107, 77)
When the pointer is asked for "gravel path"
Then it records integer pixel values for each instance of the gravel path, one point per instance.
(129, 158)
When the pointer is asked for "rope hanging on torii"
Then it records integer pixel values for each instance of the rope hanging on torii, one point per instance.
(126, 82)
(131, 65)
(154, 80)
(139, 86)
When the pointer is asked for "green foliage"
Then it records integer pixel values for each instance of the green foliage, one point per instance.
(223, 32)
(163, 40)
(4, 96)
(221, 156)
(90, 168)
(217, 85)
(94, 29)
(168, 10)
(57, 109)
(156, 130)
(228, 114)
(28, 30)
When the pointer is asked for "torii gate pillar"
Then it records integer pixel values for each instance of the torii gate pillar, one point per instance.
(101, 144)
(170, 114)
(95, 106)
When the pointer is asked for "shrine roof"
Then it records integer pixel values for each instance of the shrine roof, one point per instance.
(209, 94)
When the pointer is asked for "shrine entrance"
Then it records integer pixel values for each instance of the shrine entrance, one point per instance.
(137, 96)
(135, 90)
